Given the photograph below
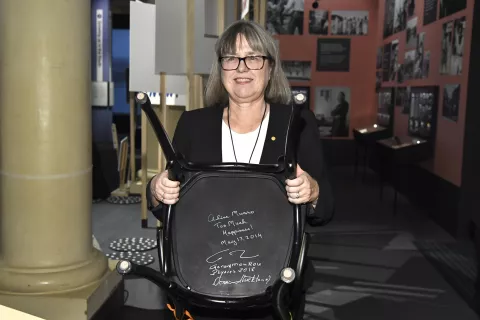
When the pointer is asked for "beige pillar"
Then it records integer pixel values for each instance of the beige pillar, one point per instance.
(45, 148)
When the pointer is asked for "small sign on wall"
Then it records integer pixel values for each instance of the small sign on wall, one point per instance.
(333, 55)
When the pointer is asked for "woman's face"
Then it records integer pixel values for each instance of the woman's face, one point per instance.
(244, 85)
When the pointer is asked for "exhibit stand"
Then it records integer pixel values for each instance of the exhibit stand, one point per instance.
(399, 152)
(366, 137)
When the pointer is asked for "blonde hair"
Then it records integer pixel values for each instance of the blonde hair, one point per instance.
(278, 88)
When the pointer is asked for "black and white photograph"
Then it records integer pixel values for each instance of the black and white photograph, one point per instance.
(397, 12)
(409, 65)
(429, 11)
(410, 7)
(387, 48)
(385, 107)
(458, 46)
(426, 65)
(379, 57)
(400, 96)
(412, 33)
(393, 67)
(449, 7)
(285, 17)
(446, 53)
(400, 73)
(332, 110)
(349, 23)
(406, 100)
(318, 22)
(297, 70)
(451, 100)
(302, 96)
(378, 80)
(419, 57)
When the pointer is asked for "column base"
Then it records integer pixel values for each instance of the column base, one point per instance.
(35, 281)
(101, 300)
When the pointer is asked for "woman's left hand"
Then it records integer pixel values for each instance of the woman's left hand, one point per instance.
(303, 188)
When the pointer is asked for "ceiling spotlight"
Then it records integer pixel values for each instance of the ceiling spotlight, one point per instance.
(315, 4)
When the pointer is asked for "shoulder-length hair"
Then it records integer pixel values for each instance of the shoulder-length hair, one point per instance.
(278, 88)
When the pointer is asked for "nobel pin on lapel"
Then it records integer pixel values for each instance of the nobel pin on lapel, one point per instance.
(273, 138)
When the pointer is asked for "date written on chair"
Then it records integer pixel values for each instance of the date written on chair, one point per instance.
(234, 227)
(234, 263)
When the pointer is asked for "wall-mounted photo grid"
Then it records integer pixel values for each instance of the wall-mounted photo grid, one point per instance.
(284, 18)
(453, 43)
(332, 110)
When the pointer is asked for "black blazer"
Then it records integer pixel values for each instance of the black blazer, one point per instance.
(198, 136)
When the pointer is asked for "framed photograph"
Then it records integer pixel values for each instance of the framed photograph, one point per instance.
(409, 65)
(349, 23)
(412, 33)
(419, 57)
(426, 65)
(449, 7)
(284, 17)
(400, 96)
(429, 11)
(318, 22)
(387, 48)
(458, 45)
(297, 70)
(379, 57)
(385, 104)
(451, 101)
(332, 110)
(333, 54)
(406, 100)
(394, 64)
(446, 53)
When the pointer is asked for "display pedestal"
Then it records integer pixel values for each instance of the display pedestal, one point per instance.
(365, 139)
(397, 153)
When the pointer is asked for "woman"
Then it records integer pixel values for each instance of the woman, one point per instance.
(249, 98)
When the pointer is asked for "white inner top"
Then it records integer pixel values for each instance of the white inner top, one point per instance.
(244, 143)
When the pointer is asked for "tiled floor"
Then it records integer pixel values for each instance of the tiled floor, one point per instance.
(366, 263)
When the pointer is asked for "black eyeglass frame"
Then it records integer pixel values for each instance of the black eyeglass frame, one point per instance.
(245, 61)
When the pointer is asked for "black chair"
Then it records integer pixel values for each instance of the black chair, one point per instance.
(233, 242)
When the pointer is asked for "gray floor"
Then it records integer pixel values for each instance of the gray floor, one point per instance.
(366, 262)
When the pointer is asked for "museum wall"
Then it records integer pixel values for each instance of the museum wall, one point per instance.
(441, 66)
(350, 70)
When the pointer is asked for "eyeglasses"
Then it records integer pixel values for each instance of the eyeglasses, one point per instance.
(251, 62)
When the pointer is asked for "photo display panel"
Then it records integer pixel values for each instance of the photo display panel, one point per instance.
(423, 112)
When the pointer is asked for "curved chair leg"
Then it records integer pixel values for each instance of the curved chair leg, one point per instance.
(298, 299)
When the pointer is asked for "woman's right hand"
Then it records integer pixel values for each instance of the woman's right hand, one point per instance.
(165, 190)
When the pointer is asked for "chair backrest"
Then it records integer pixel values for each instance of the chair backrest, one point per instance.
(231, 233)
